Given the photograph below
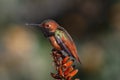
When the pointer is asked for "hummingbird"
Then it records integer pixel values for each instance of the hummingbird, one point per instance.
(59, 38)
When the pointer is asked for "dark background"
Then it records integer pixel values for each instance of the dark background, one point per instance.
(93, 24)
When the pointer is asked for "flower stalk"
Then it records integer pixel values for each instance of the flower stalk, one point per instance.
(64, 66)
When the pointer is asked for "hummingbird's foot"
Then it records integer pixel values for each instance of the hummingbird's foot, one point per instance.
(58, 52)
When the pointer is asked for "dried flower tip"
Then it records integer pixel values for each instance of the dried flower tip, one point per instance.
(56, 76)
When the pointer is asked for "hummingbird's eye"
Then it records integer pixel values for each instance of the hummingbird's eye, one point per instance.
(47, 25)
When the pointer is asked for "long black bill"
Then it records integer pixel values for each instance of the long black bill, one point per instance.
(46, 34)
(38, 25)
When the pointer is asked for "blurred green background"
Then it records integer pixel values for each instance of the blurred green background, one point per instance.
(25, 54)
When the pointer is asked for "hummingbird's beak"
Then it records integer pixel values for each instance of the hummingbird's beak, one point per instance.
(38, 25)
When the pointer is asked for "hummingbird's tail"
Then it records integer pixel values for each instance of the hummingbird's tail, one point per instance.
(78, 59)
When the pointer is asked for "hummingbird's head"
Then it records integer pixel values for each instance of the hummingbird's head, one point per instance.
(49, 25)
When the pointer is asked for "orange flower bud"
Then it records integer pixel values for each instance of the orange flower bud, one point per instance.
(65, 59)
(68, 64)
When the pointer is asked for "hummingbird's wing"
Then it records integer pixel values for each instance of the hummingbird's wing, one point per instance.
(62, 45)
(67, 35)
(70, 45)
